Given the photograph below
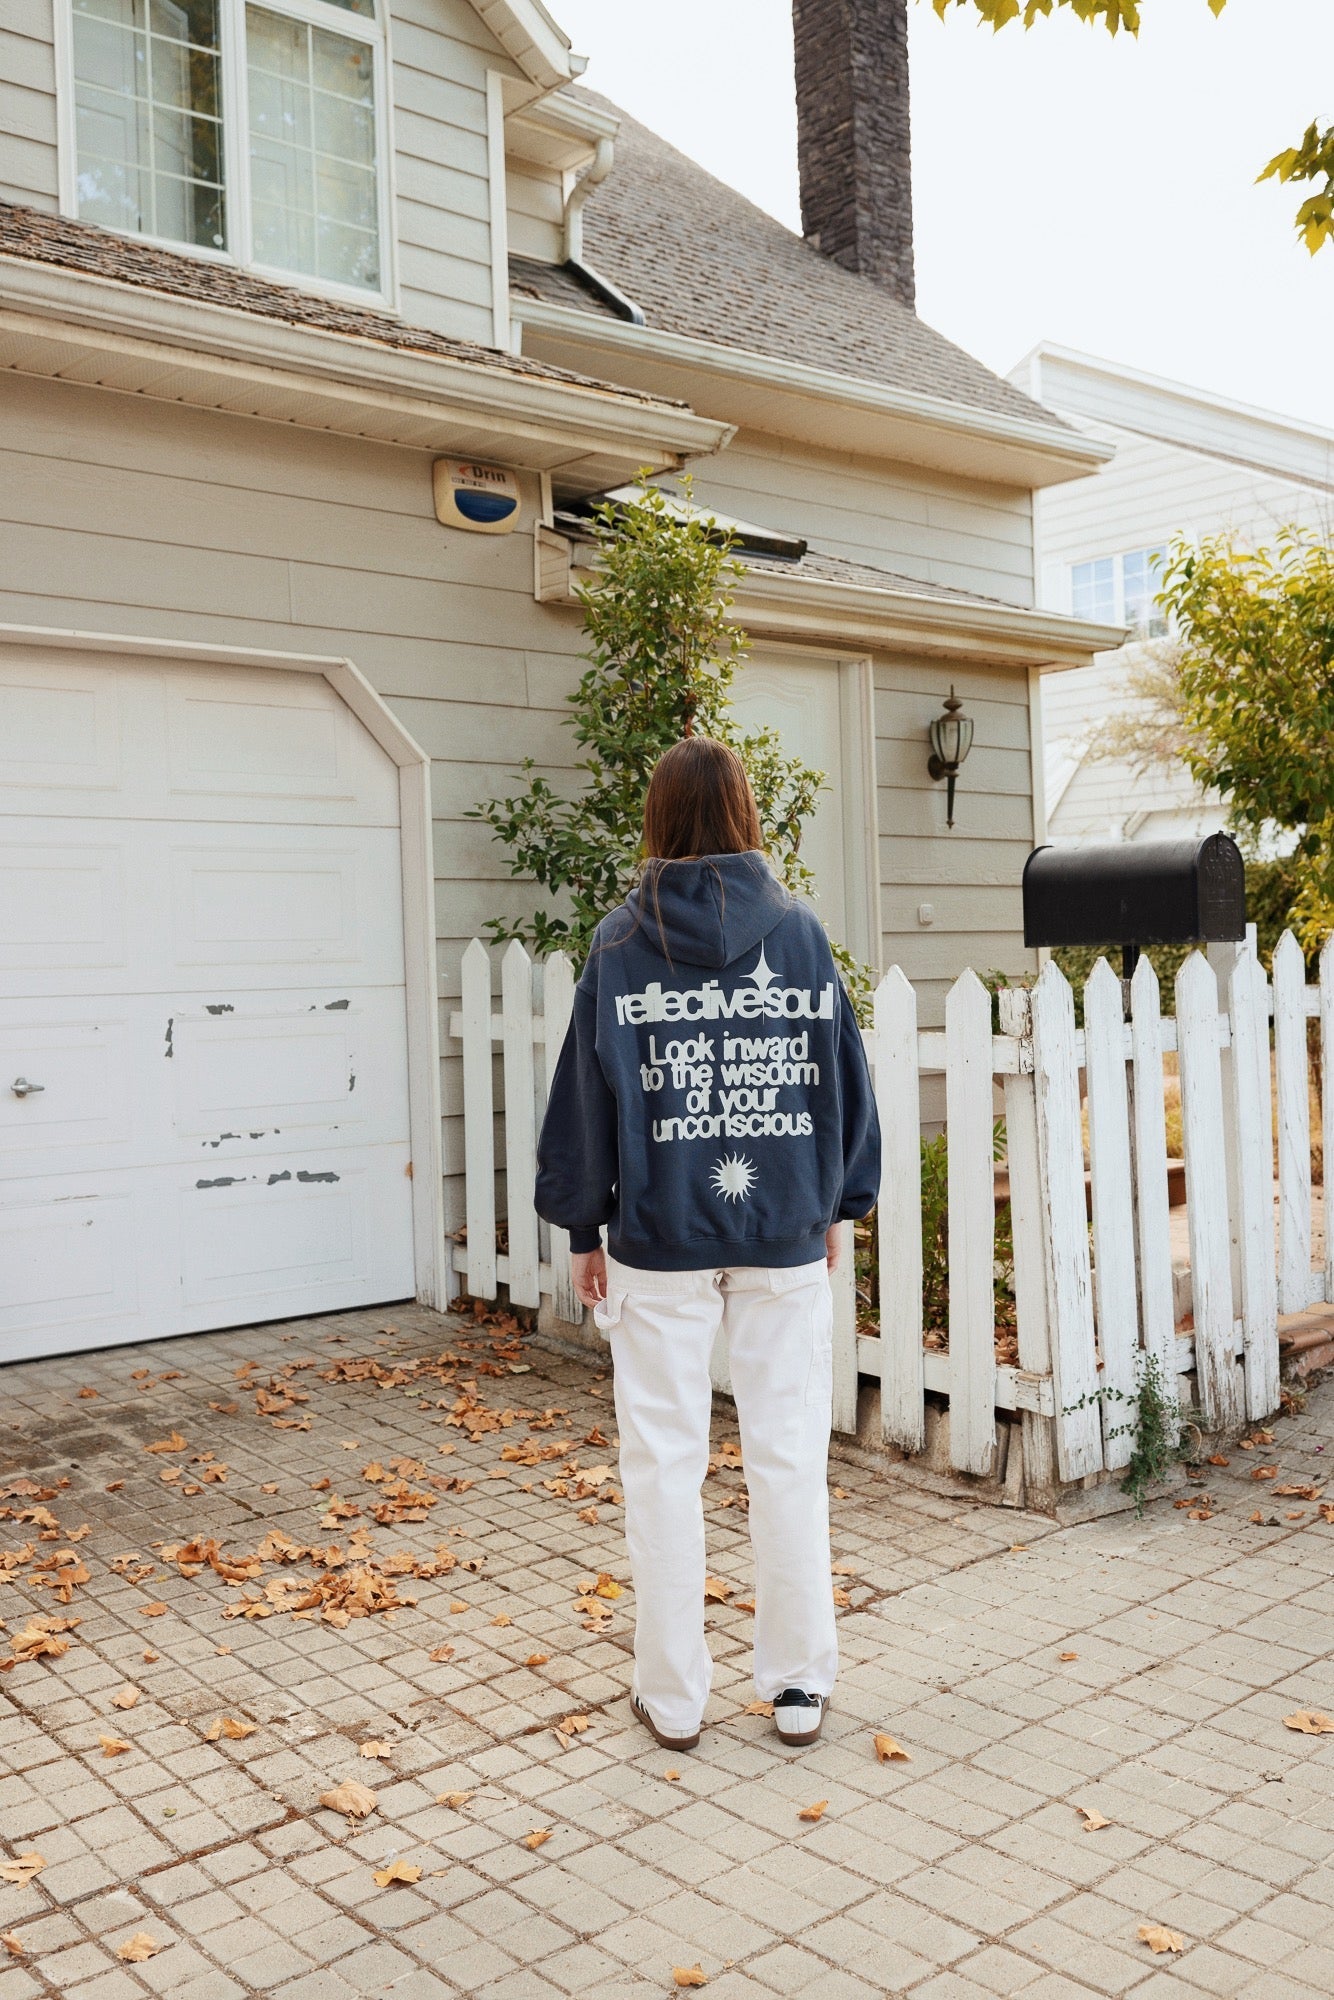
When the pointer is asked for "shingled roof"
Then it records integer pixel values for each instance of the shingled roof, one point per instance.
(703, 261)
(32, 234)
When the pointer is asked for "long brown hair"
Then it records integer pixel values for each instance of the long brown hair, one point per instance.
(699, 801)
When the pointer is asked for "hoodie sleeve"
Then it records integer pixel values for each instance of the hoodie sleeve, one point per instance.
(577, 1162)
(861, 1120)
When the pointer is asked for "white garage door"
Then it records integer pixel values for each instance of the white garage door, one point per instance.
(203, 1058)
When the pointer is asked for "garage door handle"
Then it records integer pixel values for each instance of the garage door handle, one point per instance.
(22, 1088)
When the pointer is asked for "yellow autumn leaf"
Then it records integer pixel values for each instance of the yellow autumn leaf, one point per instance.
(397, 1871)
(22, 1868)
(351, 1798)
(13, 1942)
(672, 1777)
(1093, 1820)
(228, 1726)
(1067, 1656)
(1158, 1938)
(690, 1975)
(113, 1746)
(376, 1746)
(173, 1444)
(538, 1835)
(456, 1799)
(440, 1653)
(1310, 1722)
(537, 1659)
(887, 1750)
(607, 1586)
(136, 1949)
(817, 1811)
(758, 1708)
(716, 1591)
(125, 1697)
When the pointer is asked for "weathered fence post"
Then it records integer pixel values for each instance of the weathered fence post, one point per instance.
(1036, 1430)
(1065, 1227)
(1294, 1127)
(516, 1004)
(479, 1137)
(1206, 1192)
(1113, 1207)
(972, 1225)
(899, 1212)
(1152, 1214)
(1251, 1136)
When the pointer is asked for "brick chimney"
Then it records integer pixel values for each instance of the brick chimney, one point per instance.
(853, 139)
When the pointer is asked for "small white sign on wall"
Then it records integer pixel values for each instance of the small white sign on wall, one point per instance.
(481, 498)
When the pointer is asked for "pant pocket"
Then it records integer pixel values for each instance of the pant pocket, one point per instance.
(820, 1378)
(607, 1313)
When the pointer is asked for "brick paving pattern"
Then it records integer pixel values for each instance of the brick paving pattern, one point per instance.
(963, 1874)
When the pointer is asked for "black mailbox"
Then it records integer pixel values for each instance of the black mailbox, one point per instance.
(1135, 892)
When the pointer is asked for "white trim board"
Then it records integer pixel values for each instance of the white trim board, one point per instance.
(431, 1265)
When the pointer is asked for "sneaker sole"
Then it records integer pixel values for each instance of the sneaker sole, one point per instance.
(806, 1736)
(667, 1742)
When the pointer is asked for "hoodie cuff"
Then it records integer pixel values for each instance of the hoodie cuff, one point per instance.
(584, 1240)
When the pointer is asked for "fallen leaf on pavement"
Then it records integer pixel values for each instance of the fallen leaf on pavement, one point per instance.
(1092, 1818)
(228, 1726)
(817, 1811)
(537, 1659)
(125, 1697)
(39, 1640)
(173, 1444)
(572, 1726)
(113, 1746)
(887, 1750)
(690, 1975)
(271, 1486)
(1067, 1656)
(1264, 1472)
(502, 1618)
(151, 1610)
(672, 1777)
(1310, 1722)
(351, 1798)
(843, 1569)
(150, 1658)
(397, 1871)
(376, 1746)
(1158, 1938)
(1299, 1489)
(1326, 1510)
(114, 1486)
(13, 1942)
(439, 1653)
(136, 1949)
(716, 1591)
(84, 1393)
(842, 1598)
(458, 1605)
(456, 1799)
(758, 1708)
(538, 1835)
(22, 1868)
(838, 1493)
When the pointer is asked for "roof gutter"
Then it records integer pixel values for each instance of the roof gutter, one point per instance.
(585, 184)
(850, 411)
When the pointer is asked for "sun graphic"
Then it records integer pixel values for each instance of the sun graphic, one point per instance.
(733, 1178)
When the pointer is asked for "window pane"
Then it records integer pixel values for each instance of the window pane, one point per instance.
(366, 7)
(312, 150)
(147, 116)
(1094, 590)
(1141, 574)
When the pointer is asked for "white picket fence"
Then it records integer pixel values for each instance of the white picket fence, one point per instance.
(1089, 1300)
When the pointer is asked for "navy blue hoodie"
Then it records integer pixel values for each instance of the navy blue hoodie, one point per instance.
(712, 1102)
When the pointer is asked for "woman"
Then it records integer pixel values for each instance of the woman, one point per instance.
(712, 1107)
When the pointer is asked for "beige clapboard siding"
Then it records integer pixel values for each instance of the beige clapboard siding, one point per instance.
(536, 212)
(902, 518)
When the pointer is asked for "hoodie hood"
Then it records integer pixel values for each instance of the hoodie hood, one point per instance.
(708, 911)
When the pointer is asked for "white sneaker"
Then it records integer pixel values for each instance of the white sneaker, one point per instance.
(798, 1716)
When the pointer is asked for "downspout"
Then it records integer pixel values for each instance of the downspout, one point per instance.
(592, 177)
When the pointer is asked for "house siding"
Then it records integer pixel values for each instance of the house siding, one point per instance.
(440, 53)
(922, 524)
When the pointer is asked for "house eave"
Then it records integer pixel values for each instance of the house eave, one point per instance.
(532, 40)
(817, 611)
(842, 412)
(73, 326)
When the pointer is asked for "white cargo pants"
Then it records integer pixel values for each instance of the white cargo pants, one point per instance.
(662, 1325)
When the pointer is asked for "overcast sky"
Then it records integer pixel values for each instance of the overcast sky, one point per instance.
(1067, 187)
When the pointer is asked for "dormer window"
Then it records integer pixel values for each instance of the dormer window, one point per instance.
(252, 133)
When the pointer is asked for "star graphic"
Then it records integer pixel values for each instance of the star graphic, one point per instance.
(733, 1177)
(763, 974)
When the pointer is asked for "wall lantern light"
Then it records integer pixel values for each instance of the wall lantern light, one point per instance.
(951, 737)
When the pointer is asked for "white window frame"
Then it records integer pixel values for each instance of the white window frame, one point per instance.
(1118, 562)
(236, 143)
